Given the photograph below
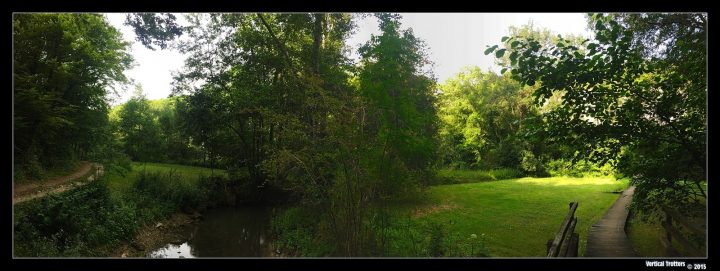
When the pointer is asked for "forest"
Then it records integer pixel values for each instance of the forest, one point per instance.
(275, 142)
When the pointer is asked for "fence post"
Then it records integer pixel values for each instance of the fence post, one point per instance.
(559, 245)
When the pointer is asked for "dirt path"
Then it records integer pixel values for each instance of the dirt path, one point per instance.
(607, 238)
(33, 190)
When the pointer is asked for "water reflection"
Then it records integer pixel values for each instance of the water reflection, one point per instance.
(225, 232)
(174, 251)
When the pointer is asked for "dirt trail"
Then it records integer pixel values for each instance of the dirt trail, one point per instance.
(33, 190)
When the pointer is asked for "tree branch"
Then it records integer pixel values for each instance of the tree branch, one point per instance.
(279, 44)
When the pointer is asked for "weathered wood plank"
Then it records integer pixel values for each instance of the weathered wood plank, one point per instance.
(555, 248)
(682, 220)
(669, 249)
(607, 237)
(573, 245)
(568, 236)
(682, 240)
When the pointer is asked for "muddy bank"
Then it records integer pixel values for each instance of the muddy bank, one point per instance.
(152, 236)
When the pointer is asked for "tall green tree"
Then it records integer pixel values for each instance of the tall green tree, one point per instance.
(400, 112)
(64, 65)
(269, 84)
(140, 132)
(483, 118)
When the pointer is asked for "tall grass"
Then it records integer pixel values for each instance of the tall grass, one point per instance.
(447, 176)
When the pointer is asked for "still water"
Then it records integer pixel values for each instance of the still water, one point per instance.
(225, 232)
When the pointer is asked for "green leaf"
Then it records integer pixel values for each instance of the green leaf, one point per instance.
(599, 25)
(490, 50)
(504, 39)
(514, 44)
(513, 56)
(500, 53)
(503, 70)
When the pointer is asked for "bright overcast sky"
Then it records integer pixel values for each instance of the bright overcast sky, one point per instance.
(455, 40)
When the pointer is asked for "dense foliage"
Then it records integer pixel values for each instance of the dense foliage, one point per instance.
(483, 122)
(64, 66)
(151, 131)
(156, 29)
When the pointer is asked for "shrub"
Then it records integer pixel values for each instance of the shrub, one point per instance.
(71, 223)
(505, 173)
(296, 231)
(582, 168)
(471, 176)
(158, 194)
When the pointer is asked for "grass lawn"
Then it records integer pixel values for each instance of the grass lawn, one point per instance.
(118, 183)
(518, 216)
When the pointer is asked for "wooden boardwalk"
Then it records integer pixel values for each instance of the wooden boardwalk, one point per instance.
(607, 237)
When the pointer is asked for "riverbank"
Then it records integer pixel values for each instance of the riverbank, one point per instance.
(93, 220)
(152, 236)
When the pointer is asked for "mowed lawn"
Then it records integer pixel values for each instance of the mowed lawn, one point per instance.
(518, 216)
(119, 183)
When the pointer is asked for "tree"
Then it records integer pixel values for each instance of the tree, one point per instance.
(400, 110)
(139, 130)
(64, 65)
(623, 98)
(483, 118)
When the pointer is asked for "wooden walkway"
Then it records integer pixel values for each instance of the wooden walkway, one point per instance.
(607, 237)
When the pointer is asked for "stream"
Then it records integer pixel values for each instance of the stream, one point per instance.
(225, 232)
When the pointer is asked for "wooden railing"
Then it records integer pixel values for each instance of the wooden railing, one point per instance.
(565, 243)
(673, 232)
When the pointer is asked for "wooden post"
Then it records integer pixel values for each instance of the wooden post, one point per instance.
(560, 236)
(548, 245)
(668, 236)
(566, 241)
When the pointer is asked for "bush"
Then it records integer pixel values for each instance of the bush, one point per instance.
(505, 174)
(582, 168)
(472, 176)
(71, 223)
(296, 231)
(410, 238)
(159, 194)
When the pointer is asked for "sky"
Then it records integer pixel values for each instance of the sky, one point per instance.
(454, 40)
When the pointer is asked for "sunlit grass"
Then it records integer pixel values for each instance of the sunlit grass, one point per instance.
(563, 181)
(119, 183)
(518, 216)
